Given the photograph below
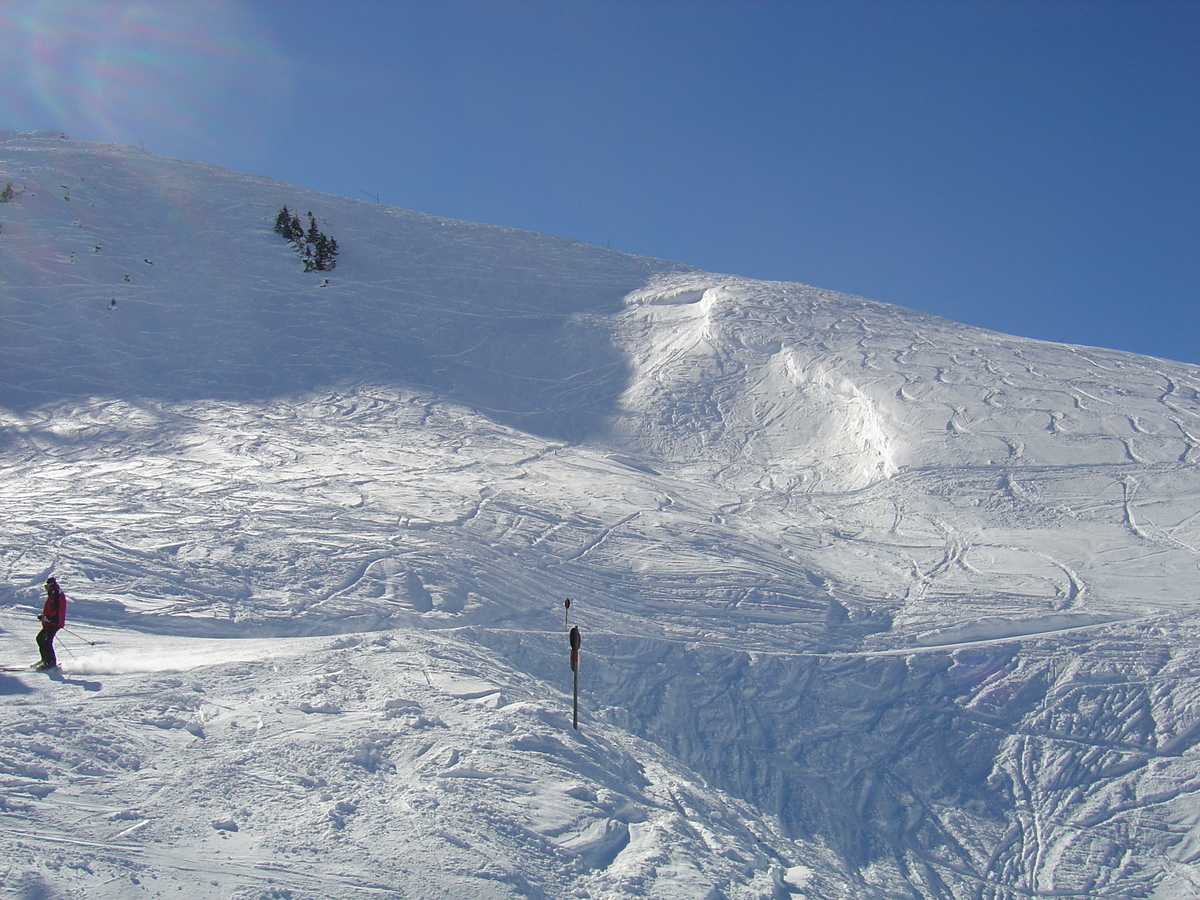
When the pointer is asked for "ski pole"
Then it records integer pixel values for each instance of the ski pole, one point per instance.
(85, 640)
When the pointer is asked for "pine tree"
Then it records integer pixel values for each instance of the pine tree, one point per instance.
(325, 255)
(318, 250)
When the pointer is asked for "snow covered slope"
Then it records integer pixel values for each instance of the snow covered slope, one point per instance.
(873, 604)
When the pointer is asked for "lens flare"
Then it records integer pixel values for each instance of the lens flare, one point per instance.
(191, 75)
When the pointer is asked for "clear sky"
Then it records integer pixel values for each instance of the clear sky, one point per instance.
(1031, 167)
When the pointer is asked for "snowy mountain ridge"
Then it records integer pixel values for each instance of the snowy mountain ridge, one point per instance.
(874, 604)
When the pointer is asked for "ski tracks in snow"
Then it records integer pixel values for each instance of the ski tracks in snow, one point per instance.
(378, 764)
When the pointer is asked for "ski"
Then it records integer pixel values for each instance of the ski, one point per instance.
(29, 668)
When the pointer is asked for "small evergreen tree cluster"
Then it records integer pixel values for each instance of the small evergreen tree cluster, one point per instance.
(288, 225)
(8, 193)
(317, 249)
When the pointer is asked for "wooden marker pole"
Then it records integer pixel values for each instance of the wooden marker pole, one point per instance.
(566, 612)
(575, 641)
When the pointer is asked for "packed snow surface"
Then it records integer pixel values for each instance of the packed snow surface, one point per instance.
(873, 604)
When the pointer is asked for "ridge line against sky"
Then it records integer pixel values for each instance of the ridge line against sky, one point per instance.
(1029, 167)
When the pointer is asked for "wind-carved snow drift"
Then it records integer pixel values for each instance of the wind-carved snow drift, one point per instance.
(716, 386)
(873, 604)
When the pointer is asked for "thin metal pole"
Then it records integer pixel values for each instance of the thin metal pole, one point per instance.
(64, 646)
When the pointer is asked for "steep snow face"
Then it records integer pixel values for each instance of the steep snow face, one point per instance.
(847, 391)
(212, 304)
(724, 381)
(907, 606)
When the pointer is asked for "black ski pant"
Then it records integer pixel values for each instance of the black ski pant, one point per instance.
(45, 642)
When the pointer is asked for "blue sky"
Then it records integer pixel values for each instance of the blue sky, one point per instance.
(1031, 167)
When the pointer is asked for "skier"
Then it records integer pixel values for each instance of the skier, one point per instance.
(53, 617)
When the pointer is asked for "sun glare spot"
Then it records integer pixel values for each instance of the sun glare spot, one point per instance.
(190, 75)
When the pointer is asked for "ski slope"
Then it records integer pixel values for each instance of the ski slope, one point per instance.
(873, 604)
